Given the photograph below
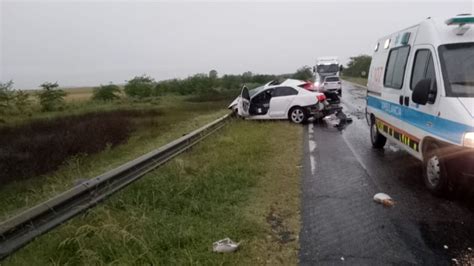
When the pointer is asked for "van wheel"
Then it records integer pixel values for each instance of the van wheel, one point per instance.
(378, 140)
(435, 173)
(298, 115)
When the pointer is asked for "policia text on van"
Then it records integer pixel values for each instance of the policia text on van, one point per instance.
(421, 95)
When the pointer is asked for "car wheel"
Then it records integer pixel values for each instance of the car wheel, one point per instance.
(378, 140)
(435, 173)
(339, 93)
(298, 115)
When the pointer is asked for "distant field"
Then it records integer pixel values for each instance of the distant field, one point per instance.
(78, 94)
(73, 93)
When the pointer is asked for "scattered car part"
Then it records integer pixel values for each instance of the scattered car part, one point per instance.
(384, 199)
(225, 245)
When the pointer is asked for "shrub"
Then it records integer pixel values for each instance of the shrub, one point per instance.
(358, 65)
(140, 87)
(106, 92)
(22, 100)
(303, 73)
(6, 95)
(214, 95)
(213, 74)
(50, 97)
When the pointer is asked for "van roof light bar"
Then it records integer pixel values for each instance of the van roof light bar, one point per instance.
(460, 20)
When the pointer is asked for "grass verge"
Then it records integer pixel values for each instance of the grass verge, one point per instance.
(174, 118)
(242, 183)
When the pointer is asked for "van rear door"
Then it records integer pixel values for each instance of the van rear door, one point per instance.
(392, 92)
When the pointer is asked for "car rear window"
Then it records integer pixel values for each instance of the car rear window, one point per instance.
(332, 79)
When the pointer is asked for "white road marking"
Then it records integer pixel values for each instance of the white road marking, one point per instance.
(312, 148)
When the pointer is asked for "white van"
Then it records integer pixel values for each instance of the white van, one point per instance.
(421, 95)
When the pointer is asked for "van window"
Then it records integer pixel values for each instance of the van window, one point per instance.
(395, 69)
(457, 63)
(423, 67)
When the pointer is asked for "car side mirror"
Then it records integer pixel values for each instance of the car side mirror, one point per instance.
(422, 92)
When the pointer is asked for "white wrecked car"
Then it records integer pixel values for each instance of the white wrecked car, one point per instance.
(291, 99)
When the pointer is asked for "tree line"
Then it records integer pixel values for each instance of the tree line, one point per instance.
(358, 66)
(208, 86)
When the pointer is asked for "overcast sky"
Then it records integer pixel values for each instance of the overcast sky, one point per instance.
(90, 43)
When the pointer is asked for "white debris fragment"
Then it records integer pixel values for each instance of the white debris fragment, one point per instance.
(332, 120)
(455, 261)
(470, 249)
(225, 245)
(384, 199)
(393, 148)
(445, 247)
(342, 258)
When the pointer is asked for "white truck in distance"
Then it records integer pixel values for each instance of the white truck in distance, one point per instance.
(325, 67)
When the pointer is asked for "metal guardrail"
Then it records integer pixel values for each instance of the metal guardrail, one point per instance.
(24, 227)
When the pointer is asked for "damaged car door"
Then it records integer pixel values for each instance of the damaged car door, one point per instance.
(244, 102)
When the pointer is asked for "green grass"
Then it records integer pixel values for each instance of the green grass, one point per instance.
(226, 186)
(177, 117)
(356, 80)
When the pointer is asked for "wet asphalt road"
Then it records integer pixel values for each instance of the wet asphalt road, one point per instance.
(342, 224)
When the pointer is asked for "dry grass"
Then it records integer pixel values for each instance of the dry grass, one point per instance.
(74, 94)
(78, 94)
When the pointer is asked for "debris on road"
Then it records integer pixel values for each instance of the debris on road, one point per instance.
(342, 258)
(343, 117)
(445, 247)
(337, 120)
(393, 148)
(384, 199)
(225, 245)
(331, 120)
